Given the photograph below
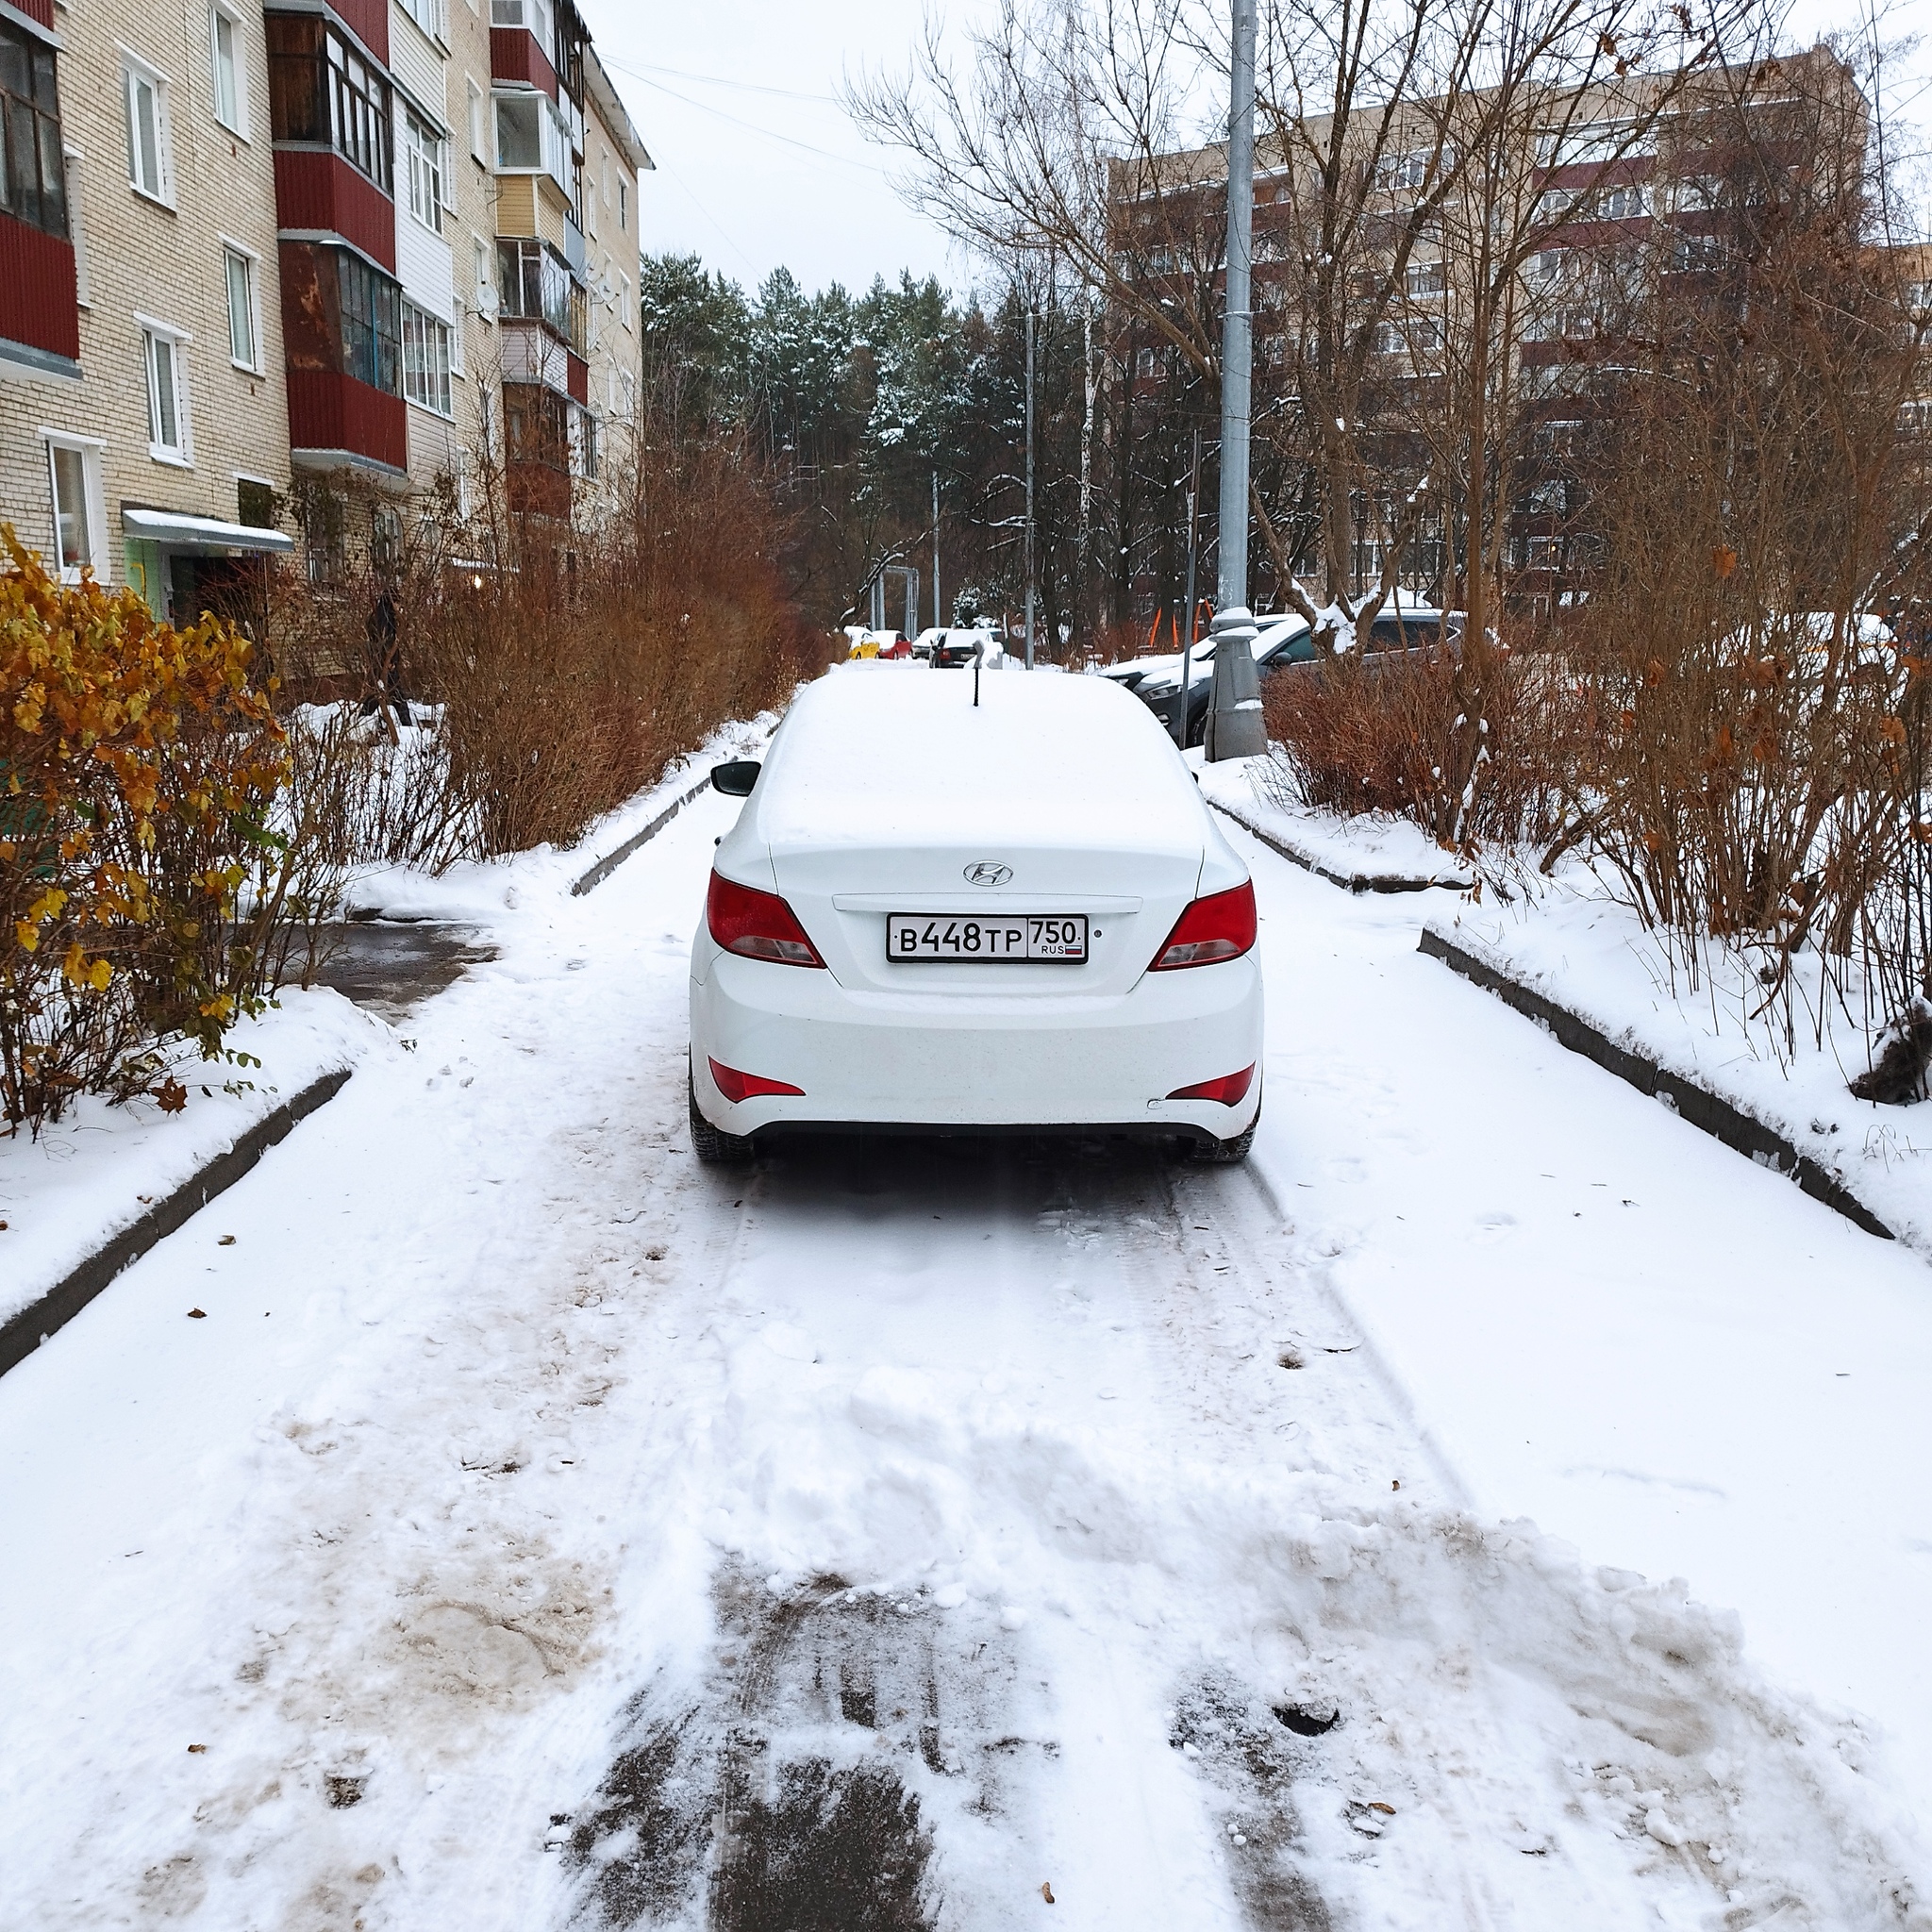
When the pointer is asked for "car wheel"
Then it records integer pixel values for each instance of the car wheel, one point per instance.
(1227, 1153)
(712, 1145)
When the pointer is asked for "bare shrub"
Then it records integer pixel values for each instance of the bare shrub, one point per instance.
(537, 696)
(1356, 735)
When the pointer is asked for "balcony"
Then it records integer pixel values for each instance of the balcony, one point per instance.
(535, 284)
(319, 193)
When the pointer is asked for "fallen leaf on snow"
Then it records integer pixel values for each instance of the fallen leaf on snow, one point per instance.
(197, 1314)
(1046, 1892)
(228, 1240)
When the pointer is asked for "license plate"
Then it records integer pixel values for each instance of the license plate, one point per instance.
(1056, 938)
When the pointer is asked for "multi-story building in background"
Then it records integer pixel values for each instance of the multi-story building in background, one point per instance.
(252, 257)
(1637, 206)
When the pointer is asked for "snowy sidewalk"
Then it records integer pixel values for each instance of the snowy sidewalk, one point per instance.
(542, 1530)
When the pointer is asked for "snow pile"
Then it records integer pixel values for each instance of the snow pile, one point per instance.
(1576, 945)
(481, 890)
(1373, 845)
(99, 1168)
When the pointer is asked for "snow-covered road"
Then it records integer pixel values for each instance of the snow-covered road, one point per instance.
(539, 1530)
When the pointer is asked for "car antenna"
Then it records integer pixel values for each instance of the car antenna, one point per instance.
(978, 652)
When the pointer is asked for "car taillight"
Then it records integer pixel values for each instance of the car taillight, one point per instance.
(1230, 1089)
(735, 1085)
(757, 924)
(1220, 926)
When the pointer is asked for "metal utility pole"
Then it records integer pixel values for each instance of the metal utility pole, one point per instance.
(1180, 732)
(1029, 489)
(937, 619)
(1234, 721)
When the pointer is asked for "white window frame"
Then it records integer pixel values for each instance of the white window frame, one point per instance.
(180, 454)
(487, 296)
(623, 303)
(94, 505)
(421, 163)
(479, 123)
(236, 122)
(425, 322)
(137, 71)
(622, 205)
(233, 250)
(430, 17)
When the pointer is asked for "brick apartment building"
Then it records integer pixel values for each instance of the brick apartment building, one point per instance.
(1635, 218)
(244, 250)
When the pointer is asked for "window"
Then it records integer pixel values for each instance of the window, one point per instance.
(486, 281)
(73, 465)
(1625, 203)
(1548, 265)
(254, 502)
(33, 171)
(324, 94)
(1693, 252)
(1143, 365)
(479, 146)
(426, 360)
(427, 15)
(519, 131)
(534, 14)
(624, 302)
(537, 283)
(1402, 174)
(1546, 498)
(224, 48)
(423, 149)
(148, 169)
(1426, 278)
(244, 348)
(167, 399)
(583, 442)
(624, 206)
(372, 323)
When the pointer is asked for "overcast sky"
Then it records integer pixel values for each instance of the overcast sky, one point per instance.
(757, 165)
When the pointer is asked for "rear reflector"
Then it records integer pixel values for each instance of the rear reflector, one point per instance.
(1220, 926)
(1230, 1089)
(735, 1085)
(757, 924)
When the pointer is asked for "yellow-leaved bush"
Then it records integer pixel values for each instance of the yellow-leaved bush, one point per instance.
(145, 886)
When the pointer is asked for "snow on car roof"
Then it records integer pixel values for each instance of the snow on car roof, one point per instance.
(863, 754)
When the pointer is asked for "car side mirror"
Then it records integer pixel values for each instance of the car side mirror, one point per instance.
(736, 779)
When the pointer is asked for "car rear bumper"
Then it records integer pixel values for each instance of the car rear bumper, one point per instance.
(959, 1061)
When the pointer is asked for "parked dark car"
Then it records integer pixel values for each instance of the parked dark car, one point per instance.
(1283, 645)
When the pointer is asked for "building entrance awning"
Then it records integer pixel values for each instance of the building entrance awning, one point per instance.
(180, 532)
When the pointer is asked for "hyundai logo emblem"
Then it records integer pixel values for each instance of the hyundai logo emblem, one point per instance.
(987, 873)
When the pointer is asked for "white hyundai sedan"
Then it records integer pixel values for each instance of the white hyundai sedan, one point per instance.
(952, 910)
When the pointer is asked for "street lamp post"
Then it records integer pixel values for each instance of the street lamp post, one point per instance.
(1029, 489)
(1235, 729)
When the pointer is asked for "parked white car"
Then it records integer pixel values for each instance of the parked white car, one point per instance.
(1018, 915)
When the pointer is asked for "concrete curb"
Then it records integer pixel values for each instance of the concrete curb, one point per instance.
(39, 1319)
(606, 866)
(1703, 1110)
(1349, 882)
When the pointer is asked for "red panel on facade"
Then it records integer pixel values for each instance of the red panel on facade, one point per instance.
(514, 55)
(37, 293)
(368, 19)
(315, 190)
(578, 377)
(42, 10)
(330, 411)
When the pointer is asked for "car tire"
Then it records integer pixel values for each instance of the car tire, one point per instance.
(712, 1145)
(1227, 1153)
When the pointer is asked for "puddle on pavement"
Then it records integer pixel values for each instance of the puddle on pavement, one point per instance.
(392, 966)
